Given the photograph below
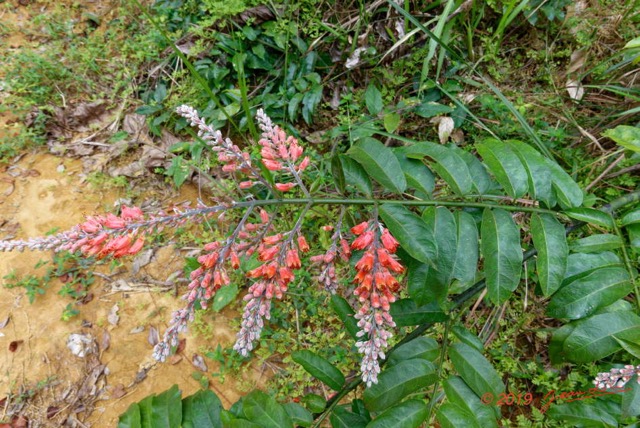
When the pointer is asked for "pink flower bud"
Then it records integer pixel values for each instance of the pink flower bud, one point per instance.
(285, 187)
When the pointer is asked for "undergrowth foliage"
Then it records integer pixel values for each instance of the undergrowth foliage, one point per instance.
(415, 253)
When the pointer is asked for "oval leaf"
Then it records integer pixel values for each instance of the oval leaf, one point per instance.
(590, 215)
(597, 243)
(380, 163)
(424, 348)
(502, 254)
(505, 166)
(567, 191)
(201, 409)
(408, 414)
(348, 172)
(264, 410)
(550, 240)
(450, 415)
(319, 368)
(579, 413)
(406, 312)
(538, 175)
(416, 173)
(459, 393)
(373, 100)
(345, 312)
(448, 165)
(411, 231)
(632, 217)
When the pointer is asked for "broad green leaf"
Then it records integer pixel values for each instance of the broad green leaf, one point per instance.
(420, 290)
(632, 217)
(224, 296)
(131, 418)
(320, 368)
(538, 176)
(345, 312)
(298, 414)
(459, 393)
(630, 405)
(314, 402)
(567, 191)
(618, 305)
(443, 226)
(466, 263)
(447, 164)
(405, 312)
(430, 109)
(408, 414)
(163, 410)
(582, 264)
(201, 409)
(550, 240)
(480, 178)
(358, 407)
(502, 254)
(424, 348)
(579, 413)
(592, 338)
(343, 418)
(476, 371)
(467, 337)
(590, 215)
(416, 173)
(391, 121)
(634, 235)
(380, 163)
(348, 172)
(373, 100)
(597, 243)
(625, 136)
(450, 415)
(585, 295)
(631, 347)
(411, 231)
(395, 383)
(265, 411)
(557, 355)
(505, 166)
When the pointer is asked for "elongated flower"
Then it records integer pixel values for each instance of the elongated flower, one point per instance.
(617, 378)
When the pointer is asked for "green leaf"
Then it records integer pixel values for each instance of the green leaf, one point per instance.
(411, 231)
(579, 413)
(348, 172)
(634, 236)
(467, 337)
(224, 296)
(450, 415)
(597, 243)
(630, 405)
(430, 109)
(625, 136)
(447, 164)
(178, 171)
(314, 402)
(345, 312)
(265, 411)
(443, 226)
(476, 371)
(550, 240)
(163, 410)
(585, 295)
(466, 263)
(131, 418)
(408, 414)
(567, 191)
(294, 105)
(590, 215)
(632, 217)
(373, 100)
(380, 163)
(405, 312)
(342, 418)
(505, 166)
(416, 173)
(631, 347)
(298, 414)
(424, 348)
(391, 121)
(502, 254)
(582, 264)
(592, 338)
(319, 368)
(459, 393)
(538, 176)
(395, 383)
(201, 409)
(557, 355)
(420, 290)
(482, 181)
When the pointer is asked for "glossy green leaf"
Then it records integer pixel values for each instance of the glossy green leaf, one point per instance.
(550, 240)
(373, 100)
(345, 312)
(131, 418)
(358, 407)
(444, 229)
(320, 368)
(201, 409)
(557, 354)
(396, 382)
(408, 414)
(411, 231)
(459, 393)
(416, 173)
(314, 402)
(224, 296)
(300, 416)
(592, 338)
(406, 312)
(450, 415)
(391, 121)
(625, 136)
(632, 217)
(475, 370)
(466, 263)
(468, 338)
(424, 348)
(343, 418)
(590, 215)
(596, 243)
(634, 235)
(505, 166)
(420, 290)
(631, 347)
(585, 295)
(265, 411)
(502, 254)
(380, 163)
(538, 177)
(582, 264)
(348, 172)
(162, 410)
(580, 413)
(430, 109)
(630, 405)
(481, 180)
(447, 164)
(567, 191)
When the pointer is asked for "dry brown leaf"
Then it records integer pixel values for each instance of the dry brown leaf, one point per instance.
(119, 391)
(577, 61)
(445, 128)
(13, 346)
(105, 343)
(575, 89)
